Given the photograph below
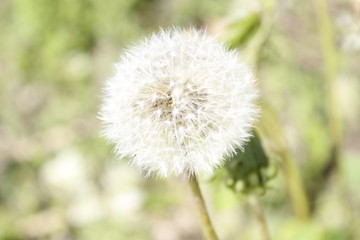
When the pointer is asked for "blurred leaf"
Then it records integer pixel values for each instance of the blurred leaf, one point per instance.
(241, 31)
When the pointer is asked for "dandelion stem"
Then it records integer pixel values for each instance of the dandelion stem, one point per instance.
(260, 218)
(207, 226)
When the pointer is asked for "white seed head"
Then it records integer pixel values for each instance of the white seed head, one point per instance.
(179, 103)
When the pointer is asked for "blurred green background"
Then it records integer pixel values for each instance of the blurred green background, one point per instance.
(59, 180)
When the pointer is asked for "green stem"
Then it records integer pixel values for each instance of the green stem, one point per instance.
(207, 226)
(330, 70)
(275, 133)
(255, 45)
(270, 130)
(291, 171)
(295, 186)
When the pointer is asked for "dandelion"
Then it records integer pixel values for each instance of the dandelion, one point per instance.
(179, 103)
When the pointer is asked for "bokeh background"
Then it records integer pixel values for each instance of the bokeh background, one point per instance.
(59, 179)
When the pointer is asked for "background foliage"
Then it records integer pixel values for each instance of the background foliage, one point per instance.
(58, 178)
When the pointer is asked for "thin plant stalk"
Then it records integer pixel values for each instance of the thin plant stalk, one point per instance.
(295, 186)
(207, 226)
(291, 171)
(270, 130)
(260, 216)
(330, 68)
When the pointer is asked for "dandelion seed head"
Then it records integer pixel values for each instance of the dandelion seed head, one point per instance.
(179, 103)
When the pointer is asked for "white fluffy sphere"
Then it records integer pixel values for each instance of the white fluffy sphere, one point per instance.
(179, 103)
